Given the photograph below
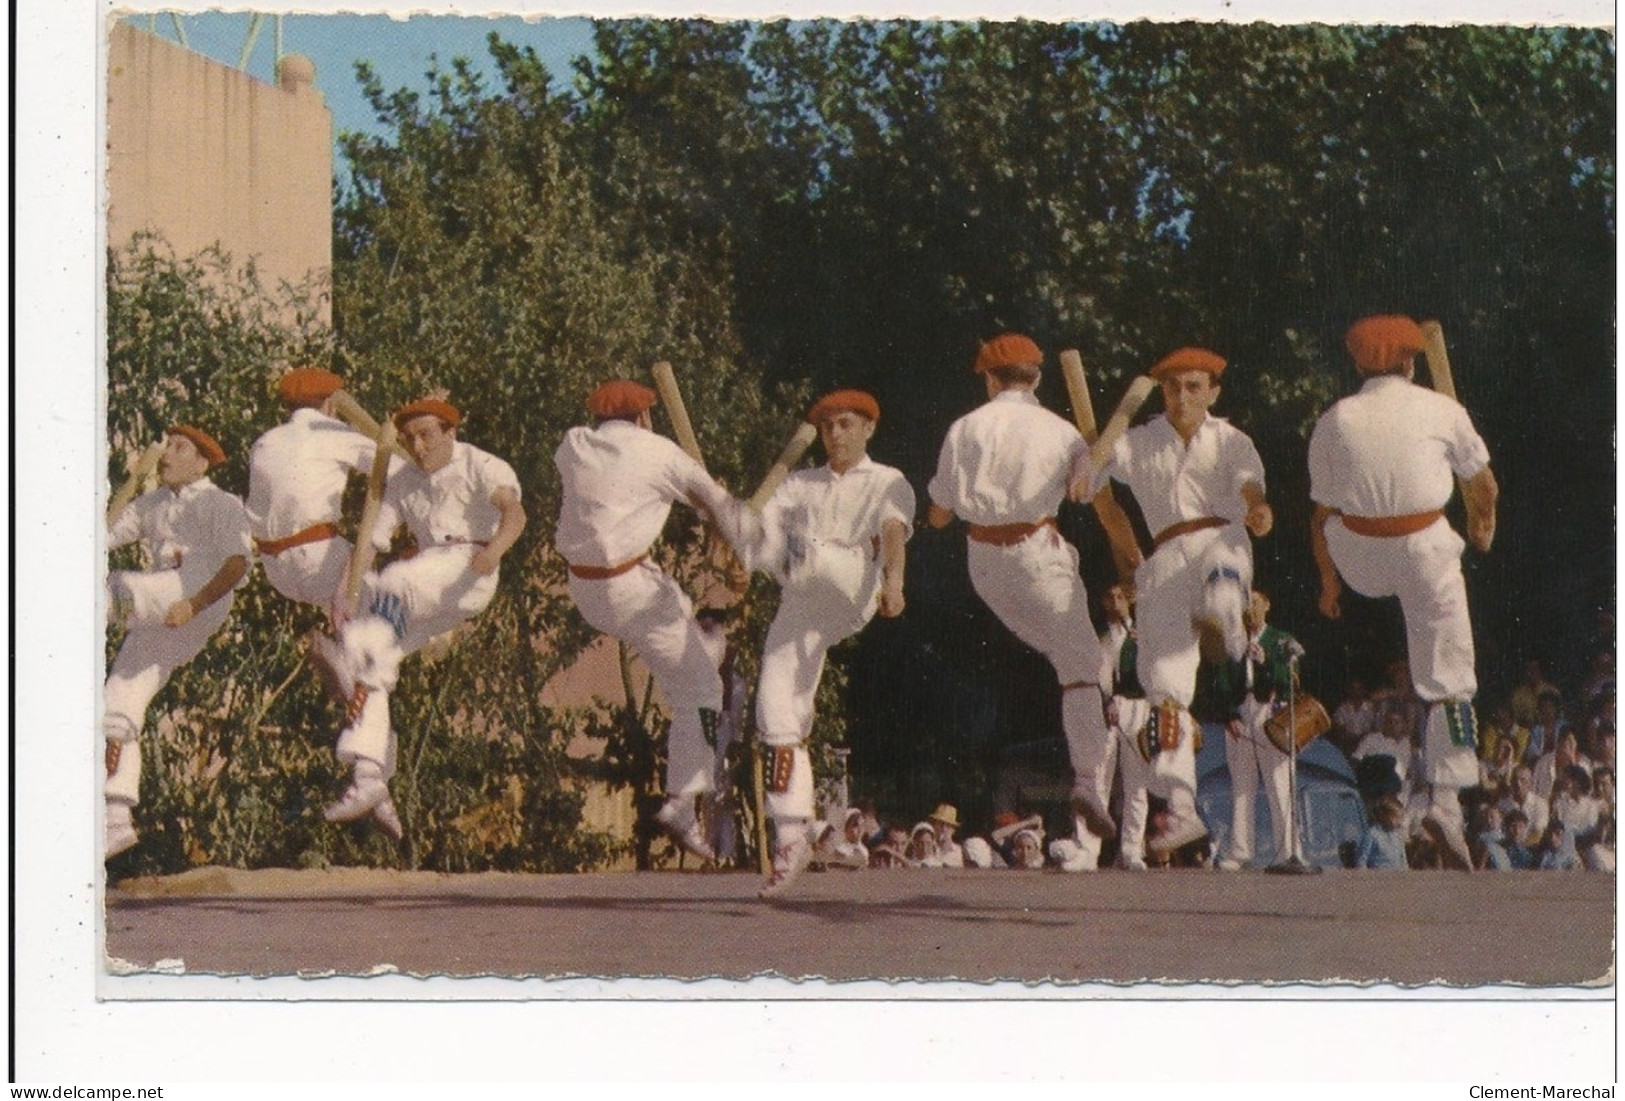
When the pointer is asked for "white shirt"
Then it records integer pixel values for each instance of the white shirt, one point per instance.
(619, 484)
(298, 470)
(1578, 812)
(846, 510)
(452, 505)
(1377, 743)
(193, 529)
(1535, 808)
(1391, 450)
(1174, 481)
(1009, 462)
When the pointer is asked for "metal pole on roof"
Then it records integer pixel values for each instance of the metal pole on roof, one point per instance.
(254, 25)
(180, 28)
(276, 47)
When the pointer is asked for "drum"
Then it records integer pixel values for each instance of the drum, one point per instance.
(1303, 722)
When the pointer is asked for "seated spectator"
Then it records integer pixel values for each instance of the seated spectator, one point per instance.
(922, 846)
(1603, 846)
(1582, 814)
(1524, 799)
(1502, 729)
(892, 850)
(1383, 845)
(1397, 692)
(1515, 841)
(1548, 728)
(1020, 840)
(1488, 840)
(1599, 735)
(845, 849)
(1525, 695)
(1495, 771)
(1557, 852)
(945, 820)
(1355, 717)
(1552, 765)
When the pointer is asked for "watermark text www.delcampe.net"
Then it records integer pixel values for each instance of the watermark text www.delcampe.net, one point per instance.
(90, 1093)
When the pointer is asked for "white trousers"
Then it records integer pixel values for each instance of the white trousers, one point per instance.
(406, 604)
(148, 657)
(1248, 758)
(1168, 775)
(1034, 589)
(832, 597)
(1424, 571)
(1172, 587)
(650, 613)
(311, 573)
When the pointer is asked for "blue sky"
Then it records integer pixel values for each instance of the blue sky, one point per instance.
(398, 49)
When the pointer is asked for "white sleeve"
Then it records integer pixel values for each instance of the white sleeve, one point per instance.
(1466, 448)
(389, 516)
(1244, 461)
(495, 474)
(943, 488)
(899, 503)
(127, 528)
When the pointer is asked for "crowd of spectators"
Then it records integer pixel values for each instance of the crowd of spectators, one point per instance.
(1545, 798)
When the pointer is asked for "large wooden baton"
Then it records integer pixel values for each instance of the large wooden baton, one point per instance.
(145, 464)
(1438, 359)
(362, 554)
(672, 398)
(1138, 391)
(1083, 406)
(350, 411)
(795, 447)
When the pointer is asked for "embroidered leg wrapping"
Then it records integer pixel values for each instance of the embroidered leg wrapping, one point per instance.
(789, 783)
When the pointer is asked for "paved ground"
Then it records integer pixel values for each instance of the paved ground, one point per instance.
(1407, 928)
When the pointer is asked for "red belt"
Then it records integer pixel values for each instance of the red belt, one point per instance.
(1391, 527)
(313, 534)
(604, 573)
(1007, 535)
(1185, 527)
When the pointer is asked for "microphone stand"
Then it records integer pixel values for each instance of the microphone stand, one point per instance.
(1293, 863)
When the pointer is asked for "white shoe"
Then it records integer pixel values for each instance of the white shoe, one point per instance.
(363, 797)
(332, 665)
(789, 861)
(1228, 865)
(120, 830)
(678, 819)
(1134, 866)
(389, 819)
(1177, 836)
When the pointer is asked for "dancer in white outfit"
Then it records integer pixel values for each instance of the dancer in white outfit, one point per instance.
(1004, 469)
(197, 546)
(1382, 463)
(461, 507)
(620, 479)
(1200, 484)
(834, 538)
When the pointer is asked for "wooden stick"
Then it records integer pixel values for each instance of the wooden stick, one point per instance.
(1138, 391)
(795, 447)
(1077, 388)
(362, 554)
(143, 468)
(1438, 359)
(666, 383)
(350, 411)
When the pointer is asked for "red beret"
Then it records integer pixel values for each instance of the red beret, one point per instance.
(1383, 342)
(206, 444)
(1188, 359)
(620, 397)
(844, 401)
(1008, 350)
(308, 385)
(428, 407)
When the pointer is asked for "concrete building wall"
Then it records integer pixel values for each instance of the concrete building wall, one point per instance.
(203, 154)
